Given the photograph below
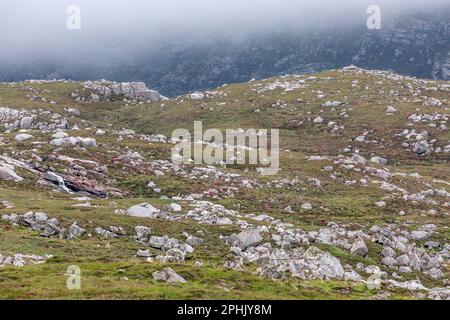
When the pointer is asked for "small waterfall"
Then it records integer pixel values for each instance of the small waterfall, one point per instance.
(58, 180)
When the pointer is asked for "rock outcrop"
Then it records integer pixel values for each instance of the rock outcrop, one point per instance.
(112, 90)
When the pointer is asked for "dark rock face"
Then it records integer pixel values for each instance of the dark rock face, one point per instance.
(441, 69)
(409, 45)
(412, 44)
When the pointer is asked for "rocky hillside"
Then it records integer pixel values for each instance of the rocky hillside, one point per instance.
(359, 210)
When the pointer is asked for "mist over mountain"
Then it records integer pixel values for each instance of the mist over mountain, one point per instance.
(183, 53)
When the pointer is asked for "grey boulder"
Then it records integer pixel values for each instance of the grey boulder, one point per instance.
(168, 275)
(143, 210)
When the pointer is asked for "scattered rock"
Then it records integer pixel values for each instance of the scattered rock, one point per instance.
(23, 137)
(168, 275)
(359, 248)
(143, 210)
(245, 239)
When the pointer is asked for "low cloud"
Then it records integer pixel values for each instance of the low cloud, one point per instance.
(32, 30)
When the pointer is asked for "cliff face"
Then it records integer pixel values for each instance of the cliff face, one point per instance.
(410, 45)
(441, 68)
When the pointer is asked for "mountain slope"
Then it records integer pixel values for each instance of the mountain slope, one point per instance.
(363, 189)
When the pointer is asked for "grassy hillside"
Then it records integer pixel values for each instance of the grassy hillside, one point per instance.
(339, 188)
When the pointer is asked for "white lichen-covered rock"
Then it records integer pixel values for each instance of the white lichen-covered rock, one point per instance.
(352, 276)
(12, 119)
(245, 239)
(64, 142)
(318, 120)
(433, 102)
(350, 68)
(72, 141)
(87, 142)
(142, 233)
(317, 264)
(143, 210)
(168, 275)
(175, 207)
(359, 248)
(307, 206)
(23, 136)
(131, 90)
(421, 147)
(59, 135)
(76, 231)
(333, 104)
(197, 96)
(379, 160)
(7, 172)
(413, 285)
(439, 293)
(390, 109)
(20, 260)
(420, 234)
(26, 122)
